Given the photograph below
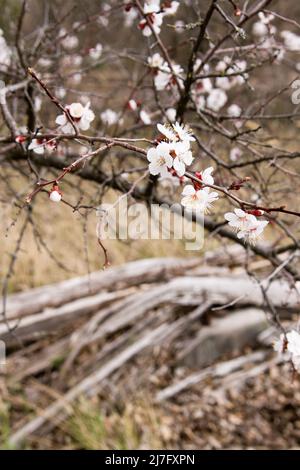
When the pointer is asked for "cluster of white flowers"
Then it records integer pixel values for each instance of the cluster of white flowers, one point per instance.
(82, 117)
(154, 14)
(171, 156)
(164, 77)
(5, 52)
(172, 152)
(265, 32)
(290, 344)
(246, 224)
(214, 95)
(263, 26)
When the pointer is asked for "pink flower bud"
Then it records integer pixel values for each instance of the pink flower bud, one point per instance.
(55, 194)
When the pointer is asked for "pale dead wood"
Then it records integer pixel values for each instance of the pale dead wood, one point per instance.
(217, 290)
(239, 378)
(219, 370)
(51, 320)
(130, 274)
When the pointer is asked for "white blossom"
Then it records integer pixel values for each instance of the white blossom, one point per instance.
(176, 132)
(75, 60)
(206, 176)
(68, 41)
(160, 159)
(171, 114)
(175, 151)
(200, 102)
(167, 131)
(155, 19)
(203, 86)
(200, 200)
(263, 27)
(132, 104)
(109, 117)
(260, 29)
(223, 64)
(293, 339)
(224, 83)
(81, 115)
(235, 154)
(182, 156)
(238, 219)
(291, 40)
(37, 146)
(289, 344)
(162, 79)
(171, 8)
(239, 66)
(265, 18)
(234, 111)
(228, 81)
(145, 117)
(183, 132)
(151, 6)
(76, 78)
(254, 230)
(197, 65)
(55, 196)
(216, 99)
(96, 52)
(131, 15)
(61, 92)
(156, 60)
(165, 77)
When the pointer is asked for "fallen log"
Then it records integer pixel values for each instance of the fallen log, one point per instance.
(221, 290)
(130, 274)
(51, 320)
(188, 291)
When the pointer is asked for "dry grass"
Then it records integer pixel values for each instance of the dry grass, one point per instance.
(70, 239)
(138, 425)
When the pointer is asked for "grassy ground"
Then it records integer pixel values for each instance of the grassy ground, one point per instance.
(67, 239)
